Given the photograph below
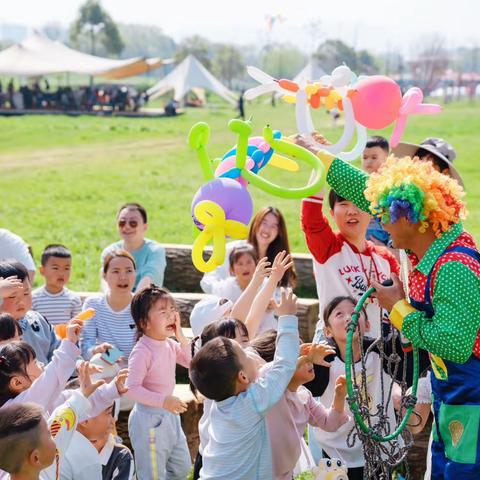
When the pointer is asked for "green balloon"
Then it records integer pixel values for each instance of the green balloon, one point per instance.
(294, 151)
(197, 139)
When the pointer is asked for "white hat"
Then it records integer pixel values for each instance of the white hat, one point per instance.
(207, 311)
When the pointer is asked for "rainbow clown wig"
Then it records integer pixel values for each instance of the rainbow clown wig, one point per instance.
(413, 189)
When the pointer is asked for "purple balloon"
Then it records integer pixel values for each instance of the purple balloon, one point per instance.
(230, 195)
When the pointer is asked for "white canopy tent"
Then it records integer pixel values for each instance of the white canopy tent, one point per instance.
(187, 76)
(311, 72)
(38, 55)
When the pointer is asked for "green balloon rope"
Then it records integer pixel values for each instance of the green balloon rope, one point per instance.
(354, 407)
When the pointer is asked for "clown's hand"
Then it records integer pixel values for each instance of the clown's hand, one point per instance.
(388, 296)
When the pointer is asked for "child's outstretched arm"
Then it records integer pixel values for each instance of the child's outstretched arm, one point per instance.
(242, 305)
(333, 418)
(48, 386)
(259, 306)
(267, 391)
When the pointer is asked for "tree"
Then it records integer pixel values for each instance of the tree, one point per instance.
(228, 63)
(146, 41)
(199, 47)
(430, 63)
(95, 22)
(333, 53)
(282, 60)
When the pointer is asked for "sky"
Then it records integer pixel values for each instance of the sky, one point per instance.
(377, 25)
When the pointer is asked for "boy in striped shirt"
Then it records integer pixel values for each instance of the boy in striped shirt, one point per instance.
(54, 300)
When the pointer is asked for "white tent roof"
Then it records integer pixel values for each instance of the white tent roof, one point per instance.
(312, 71)
(38, 55)
(190, 74)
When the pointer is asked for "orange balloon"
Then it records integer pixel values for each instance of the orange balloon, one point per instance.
(61, 330)
(288, 85)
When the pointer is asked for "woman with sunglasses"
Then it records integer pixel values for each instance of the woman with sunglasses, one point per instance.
(149, 255)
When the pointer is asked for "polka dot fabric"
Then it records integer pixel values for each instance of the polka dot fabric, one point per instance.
(454, 331)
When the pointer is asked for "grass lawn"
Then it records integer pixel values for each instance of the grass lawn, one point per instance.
(63, 178)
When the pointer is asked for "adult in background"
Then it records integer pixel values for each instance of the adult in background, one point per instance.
(268, 235)
(150, 260)
(14, 247)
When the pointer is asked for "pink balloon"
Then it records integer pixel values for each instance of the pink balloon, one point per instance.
(411, 105)
(376, 102)
(229, 164)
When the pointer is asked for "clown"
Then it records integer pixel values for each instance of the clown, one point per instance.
(422, 210)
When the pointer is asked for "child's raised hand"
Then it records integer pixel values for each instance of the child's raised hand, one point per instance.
(288, 303)
(281, 264)
(9, 286)
(318, 352)
(263, 269)
(174, 405)
(87, 387)
(341, 386)
(120, 380)
(74, 327)
(103, 347)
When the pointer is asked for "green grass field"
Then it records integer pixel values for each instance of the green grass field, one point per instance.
(63, 178)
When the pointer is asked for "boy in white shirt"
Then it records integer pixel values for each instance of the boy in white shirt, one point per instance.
(54, 300)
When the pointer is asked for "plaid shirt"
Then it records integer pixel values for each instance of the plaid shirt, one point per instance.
(453, 332)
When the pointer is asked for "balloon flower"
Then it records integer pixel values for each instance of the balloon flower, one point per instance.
(367, 102)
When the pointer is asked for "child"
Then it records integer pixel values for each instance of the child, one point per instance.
(345, 263)
(154, 424)
(208, 311)
(375, 153)
(228, 328)
(374, 156)
(39, 447)
(112, 325)
(288, 419)
(10, 330)
(54, 300)
(238, 445)
(95, 449)
(338, 315)
(36, 331)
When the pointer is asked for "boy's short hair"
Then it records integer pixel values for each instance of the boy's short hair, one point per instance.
(55, 250)
(333, 198)
(214, 369)
(19, 434)
(134, 206)
(378, 141)
(237, 252)
(12, 268)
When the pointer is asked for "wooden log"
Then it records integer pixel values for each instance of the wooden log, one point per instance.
(182, 276)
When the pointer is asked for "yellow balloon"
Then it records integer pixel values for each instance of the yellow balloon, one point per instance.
(216, 229)
(284, 163)
(289, 99)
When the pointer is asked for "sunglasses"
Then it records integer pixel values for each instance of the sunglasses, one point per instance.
(131, 223)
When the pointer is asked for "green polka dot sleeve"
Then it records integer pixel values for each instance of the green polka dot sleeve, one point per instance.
(452, 331)
(349, 182)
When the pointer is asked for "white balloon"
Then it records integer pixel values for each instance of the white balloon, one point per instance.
(302, 114)
(359, 147)
(348, 129)
(255, 92)
(259, 75)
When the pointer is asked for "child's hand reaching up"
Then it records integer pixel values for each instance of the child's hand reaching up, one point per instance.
(262, 271)
(318, 352)
(74, 328)
(9, 285)
(120, 380)
(288, 303)
(87, 387)
(174, 405)
(281, 264)
(340, 394)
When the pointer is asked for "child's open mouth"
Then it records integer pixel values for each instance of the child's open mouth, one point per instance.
(123, 285)
(171, 327)
(353, 221)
